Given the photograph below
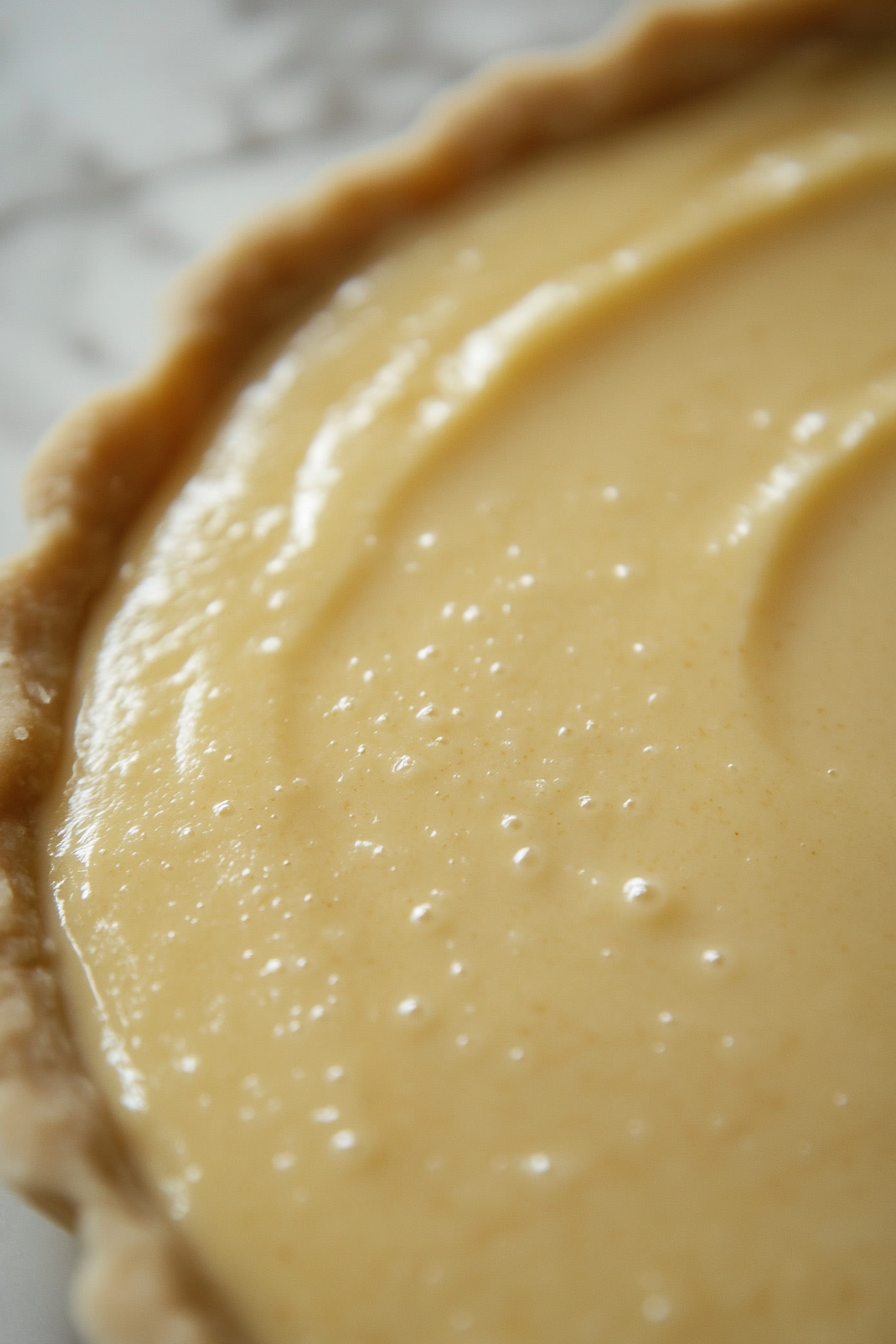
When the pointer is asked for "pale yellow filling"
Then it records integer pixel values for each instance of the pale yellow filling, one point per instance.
(476, 856)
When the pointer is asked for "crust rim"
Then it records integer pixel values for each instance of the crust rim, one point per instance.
(137, 1283)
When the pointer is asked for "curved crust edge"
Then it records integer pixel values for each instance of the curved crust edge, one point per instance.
(59, 1147)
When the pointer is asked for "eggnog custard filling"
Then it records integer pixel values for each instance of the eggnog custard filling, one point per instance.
(476, 853)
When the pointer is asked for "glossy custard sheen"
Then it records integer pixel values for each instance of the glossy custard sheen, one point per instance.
(477, 853)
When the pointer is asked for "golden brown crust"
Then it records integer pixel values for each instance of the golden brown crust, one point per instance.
(58, 1143)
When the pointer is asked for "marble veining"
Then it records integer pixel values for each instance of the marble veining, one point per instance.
(133, 135)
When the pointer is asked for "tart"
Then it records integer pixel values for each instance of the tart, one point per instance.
(446, 784)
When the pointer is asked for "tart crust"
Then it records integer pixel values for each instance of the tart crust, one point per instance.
(137, 1283)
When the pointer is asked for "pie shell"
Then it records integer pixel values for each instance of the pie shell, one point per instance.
(137, 1282)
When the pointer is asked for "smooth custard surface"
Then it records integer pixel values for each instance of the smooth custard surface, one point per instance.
(476, 856)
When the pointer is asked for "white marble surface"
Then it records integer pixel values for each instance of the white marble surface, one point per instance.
(134, 133)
